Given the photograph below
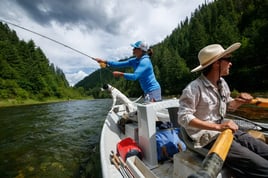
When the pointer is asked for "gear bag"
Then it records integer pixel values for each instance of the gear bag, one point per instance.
(168, 141)
(128, 147)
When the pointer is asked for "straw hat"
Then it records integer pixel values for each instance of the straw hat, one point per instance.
(212, 53)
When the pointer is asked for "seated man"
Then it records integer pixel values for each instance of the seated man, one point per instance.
(203, 105)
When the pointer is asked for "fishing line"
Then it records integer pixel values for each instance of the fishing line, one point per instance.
(55, 41)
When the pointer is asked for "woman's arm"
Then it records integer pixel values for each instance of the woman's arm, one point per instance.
(139, 71)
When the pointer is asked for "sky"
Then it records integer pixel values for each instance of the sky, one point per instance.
(98, 28)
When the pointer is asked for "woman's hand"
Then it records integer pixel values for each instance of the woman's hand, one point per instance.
(118, 74)
(101, 62)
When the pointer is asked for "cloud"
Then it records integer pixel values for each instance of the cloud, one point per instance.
(75, 77)
(99, 28)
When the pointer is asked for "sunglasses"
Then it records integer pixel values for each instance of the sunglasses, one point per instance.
(228, 59)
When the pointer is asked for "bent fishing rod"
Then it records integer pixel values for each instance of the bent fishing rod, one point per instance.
(55, 41)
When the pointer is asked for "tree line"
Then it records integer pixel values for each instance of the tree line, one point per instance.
(26, 73)
(222, 21)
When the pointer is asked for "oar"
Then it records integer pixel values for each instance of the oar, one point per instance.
(118, 167)
(123, 168)
(123, 164)
(262, 102)
(213, 162)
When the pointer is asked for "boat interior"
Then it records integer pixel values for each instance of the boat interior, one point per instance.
(141, 127)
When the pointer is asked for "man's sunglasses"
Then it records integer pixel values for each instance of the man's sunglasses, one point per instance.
(228, 59)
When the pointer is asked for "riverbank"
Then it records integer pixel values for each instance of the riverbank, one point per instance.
(15, 102)
(248, 111)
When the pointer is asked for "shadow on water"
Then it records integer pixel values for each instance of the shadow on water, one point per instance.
(52, 140)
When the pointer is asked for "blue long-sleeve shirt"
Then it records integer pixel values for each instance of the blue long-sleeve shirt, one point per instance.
(143, 71)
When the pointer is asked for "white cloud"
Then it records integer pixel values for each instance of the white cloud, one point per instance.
(75, 77)
(103, 28)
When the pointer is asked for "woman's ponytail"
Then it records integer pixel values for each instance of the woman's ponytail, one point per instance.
(150, 52)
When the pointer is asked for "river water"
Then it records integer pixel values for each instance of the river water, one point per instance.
(52, 140)
(59, 140)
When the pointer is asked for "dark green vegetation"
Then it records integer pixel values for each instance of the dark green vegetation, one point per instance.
(26, 73)
(224, 22)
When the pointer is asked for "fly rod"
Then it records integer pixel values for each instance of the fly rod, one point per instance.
(55, 41)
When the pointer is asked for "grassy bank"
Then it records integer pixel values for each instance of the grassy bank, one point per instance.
(16, 102)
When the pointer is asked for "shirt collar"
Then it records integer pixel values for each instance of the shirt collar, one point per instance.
(205, 81)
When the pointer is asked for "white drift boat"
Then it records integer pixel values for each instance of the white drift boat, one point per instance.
(143, 131)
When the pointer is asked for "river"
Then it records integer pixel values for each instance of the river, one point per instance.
(52, 140)
(59, 139)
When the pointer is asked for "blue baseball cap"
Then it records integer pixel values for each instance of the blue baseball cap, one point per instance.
(140, 44)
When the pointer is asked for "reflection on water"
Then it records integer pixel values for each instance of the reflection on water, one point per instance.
(52, 140)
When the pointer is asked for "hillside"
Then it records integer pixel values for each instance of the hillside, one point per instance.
(26, 73)
(222, 21)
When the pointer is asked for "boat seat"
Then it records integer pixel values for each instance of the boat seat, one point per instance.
(190, 143)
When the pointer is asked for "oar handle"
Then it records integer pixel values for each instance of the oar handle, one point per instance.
(121, 162)
(115, 163)
(222, 144)
(215, 158)
(254, 101)
(262, 102)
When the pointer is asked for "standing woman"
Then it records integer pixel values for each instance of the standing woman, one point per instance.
(143, 71)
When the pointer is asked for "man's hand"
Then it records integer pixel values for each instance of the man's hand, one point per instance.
(229, 125)
(244, 98)
(118, 74)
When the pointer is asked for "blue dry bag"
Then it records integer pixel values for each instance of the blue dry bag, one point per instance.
(168, 142)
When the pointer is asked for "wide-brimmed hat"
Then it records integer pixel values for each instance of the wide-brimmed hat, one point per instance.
(212, 53)
(140, 44)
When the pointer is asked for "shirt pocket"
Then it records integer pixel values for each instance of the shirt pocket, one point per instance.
(205, 108)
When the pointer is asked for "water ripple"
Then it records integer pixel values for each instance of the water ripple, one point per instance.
(51, 140)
